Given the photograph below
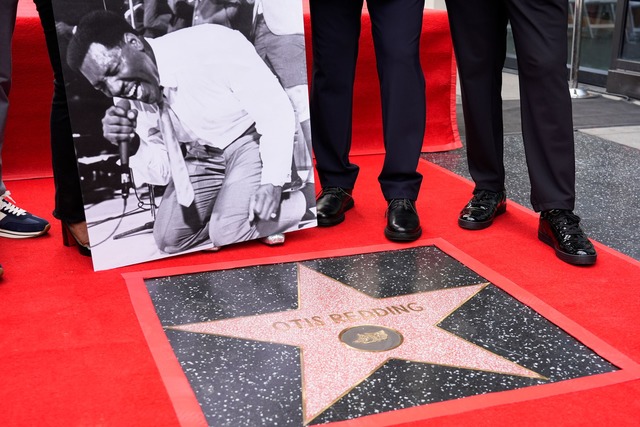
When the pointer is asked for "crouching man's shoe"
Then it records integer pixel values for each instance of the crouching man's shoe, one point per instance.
(482, 209)
(331, 205)
(403, 223)
(561, 230)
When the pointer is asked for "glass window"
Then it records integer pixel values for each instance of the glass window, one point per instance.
(631, 41)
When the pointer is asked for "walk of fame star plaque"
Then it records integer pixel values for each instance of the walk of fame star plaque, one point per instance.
(320, 341)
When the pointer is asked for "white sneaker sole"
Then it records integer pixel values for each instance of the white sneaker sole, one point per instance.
(17, 235)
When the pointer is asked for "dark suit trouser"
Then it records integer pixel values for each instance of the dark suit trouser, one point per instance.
(69, 206)
(539, 28)
(8, 10)
(396, 28)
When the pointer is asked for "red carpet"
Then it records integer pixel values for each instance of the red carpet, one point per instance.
(73, 353)
(27, 132)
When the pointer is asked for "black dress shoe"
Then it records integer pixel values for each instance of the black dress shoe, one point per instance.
(331, 205)
(482, 210)
(403, 223)
(561, 230)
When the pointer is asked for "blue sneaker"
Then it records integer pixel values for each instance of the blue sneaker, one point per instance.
(16, 223)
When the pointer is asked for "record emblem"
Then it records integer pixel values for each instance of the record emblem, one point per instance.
(371, 338)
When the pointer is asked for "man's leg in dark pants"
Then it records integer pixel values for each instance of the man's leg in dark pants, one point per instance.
(335, 31)
(540, 36)
(69, 205)
(396, 27)
(478, 31)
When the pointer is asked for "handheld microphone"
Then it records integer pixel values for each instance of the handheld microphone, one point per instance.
(123, 148)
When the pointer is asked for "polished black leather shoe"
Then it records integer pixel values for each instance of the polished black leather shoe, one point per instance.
(482, 209)
(561, 230)
(331, 205)
(403, 223)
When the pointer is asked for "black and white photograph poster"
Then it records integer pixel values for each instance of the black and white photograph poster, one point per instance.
(190, 121)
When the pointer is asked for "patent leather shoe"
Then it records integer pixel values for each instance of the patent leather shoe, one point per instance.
(403, 222)
(331, 205)
(561, 230)
(482, 209)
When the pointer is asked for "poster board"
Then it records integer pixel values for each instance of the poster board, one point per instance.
(224, 83)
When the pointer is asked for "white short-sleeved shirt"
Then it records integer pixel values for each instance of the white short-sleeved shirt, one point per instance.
(218, 87)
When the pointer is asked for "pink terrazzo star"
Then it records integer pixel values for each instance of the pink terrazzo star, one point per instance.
(327, 308)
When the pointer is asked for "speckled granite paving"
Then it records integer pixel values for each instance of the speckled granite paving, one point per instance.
(339, 338)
